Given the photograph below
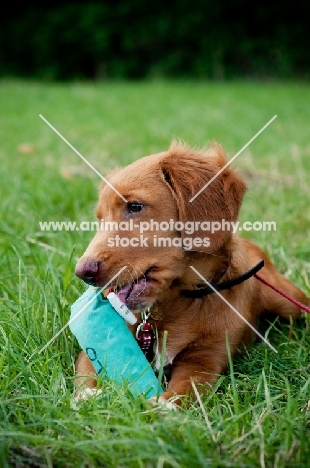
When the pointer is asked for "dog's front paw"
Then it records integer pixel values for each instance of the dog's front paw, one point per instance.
(84, 395)
(163, 404)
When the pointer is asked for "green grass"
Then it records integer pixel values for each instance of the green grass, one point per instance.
(259, 413)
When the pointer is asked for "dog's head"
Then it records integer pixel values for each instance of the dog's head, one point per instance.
(163, 212)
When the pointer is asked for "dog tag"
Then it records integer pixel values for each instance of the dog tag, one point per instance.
(145, 338)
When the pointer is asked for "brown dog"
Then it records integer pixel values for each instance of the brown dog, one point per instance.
(158, 188)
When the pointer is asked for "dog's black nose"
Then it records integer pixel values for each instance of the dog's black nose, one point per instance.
(89, 270)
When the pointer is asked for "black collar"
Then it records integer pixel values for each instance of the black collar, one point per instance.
(205, 290)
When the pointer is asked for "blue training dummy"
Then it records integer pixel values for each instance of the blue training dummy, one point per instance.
(109, 344)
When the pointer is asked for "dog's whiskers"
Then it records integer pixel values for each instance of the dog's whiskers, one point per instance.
(143, 277)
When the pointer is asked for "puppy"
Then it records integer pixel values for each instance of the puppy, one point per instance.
(164, 280)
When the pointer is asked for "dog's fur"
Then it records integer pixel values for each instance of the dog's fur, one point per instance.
(197, 328)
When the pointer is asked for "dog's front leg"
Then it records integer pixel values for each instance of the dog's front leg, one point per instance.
(85, 376)
(198, 364)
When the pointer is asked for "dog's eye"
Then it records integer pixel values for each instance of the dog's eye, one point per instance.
(134, 207)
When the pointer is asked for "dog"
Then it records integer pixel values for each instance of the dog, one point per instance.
(168, 281)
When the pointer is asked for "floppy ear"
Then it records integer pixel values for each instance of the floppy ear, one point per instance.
(187, 171)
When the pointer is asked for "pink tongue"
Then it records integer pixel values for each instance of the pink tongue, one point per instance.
(137, 287)
(123, 293)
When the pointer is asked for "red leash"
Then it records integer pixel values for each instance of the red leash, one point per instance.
(297, 303)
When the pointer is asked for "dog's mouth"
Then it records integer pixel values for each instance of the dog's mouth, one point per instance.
(132, 293)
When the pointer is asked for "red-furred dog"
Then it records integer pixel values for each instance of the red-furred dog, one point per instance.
(158, 188)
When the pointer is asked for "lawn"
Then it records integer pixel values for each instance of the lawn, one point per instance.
(259, 412)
